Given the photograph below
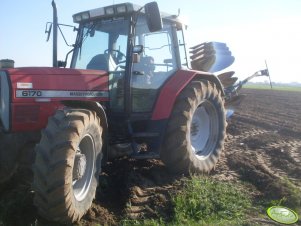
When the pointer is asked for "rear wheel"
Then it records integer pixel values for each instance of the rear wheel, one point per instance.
(68, 162)
(196, 130)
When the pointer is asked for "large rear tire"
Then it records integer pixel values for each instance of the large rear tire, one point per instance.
(196, 129)
(67, 165)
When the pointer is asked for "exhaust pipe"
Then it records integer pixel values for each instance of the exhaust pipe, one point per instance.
(55, 24)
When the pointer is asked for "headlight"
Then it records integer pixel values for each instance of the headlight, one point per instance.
(85, 16)
(121, 9)
(4, 100)
(109, 10)
(77, 18)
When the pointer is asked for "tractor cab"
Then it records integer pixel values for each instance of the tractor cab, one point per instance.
(137, 46)
(141, 49)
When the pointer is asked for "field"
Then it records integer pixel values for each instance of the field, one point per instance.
(262, 157)
(280, 87)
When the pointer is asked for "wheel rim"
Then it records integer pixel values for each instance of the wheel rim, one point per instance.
(83, 168)
(204, 129)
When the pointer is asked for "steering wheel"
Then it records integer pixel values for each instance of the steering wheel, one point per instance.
(119, 57)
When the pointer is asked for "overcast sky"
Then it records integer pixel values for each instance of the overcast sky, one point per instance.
(255, 31)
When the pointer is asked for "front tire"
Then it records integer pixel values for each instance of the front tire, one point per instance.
(9, 152)
(196, 129)
(68, 162)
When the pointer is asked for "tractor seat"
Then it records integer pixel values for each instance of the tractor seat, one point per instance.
(146, 65)
(103, 62)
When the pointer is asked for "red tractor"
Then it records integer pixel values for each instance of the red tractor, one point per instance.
(129, 87)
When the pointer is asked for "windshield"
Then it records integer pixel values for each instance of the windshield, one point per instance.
(101, 45)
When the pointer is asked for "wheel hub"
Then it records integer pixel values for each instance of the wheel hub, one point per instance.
(83, 168)
(80, 163)
(203, 129)
(200, 129)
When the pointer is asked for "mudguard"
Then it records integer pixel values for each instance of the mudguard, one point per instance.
(174, 86)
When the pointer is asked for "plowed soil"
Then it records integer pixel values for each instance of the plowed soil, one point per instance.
(263, 148)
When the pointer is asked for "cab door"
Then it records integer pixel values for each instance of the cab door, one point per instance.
(157, 64)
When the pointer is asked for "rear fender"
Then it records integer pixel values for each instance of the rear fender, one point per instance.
(173, 87)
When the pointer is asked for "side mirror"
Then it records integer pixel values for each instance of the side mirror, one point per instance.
(138, 49)
(153, 17)
(48, 30)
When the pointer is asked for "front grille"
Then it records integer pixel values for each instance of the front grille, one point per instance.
(27, 113)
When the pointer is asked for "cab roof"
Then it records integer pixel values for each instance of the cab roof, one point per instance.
(117, 10)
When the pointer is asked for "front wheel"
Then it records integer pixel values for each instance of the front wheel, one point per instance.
(9, 151)
(67, 165)
(196, 129)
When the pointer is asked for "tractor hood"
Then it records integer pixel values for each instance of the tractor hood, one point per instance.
(47, 82)
(52, 71)
(29, 96)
